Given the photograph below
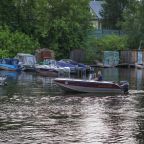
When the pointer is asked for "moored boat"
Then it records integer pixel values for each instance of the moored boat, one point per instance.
(26, 61)
(50, 68)
(74, 66)
(80, 85)
(64, 64)
(46, 70)
(9, 64)
(8, 67)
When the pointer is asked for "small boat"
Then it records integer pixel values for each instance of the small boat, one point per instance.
(73, 65)
(80, 85)
(3, 80)
(51, 69)
(8, 67)
(64, 64)
(26, 61)
(9, 64)
(46, 70)
(139, 66)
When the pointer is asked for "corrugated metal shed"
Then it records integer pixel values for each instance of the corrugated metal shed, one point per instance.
(139, 57)
(111, 58)
(143, 56)
(128, 56)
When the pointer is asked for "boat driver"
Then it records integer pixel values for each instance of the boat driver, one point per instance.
(99, 76)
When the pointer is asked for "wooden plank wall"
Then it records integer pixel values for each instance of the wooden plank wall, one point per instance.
(128, 56)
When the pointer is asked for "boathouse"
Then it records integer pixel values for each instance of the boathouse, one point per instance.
(110, 58)
(123, 58)
(128, 57)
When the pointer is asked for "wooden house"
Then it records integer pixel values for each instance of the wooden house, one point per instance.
(95, 9)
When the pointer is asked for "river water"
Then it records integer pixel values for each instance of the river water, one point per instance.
(33, 110)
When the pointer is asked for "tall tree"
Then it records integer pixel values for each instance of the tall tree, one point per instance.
(65, 24)
(18, 15)
(12, 43)
(112, 13)
(26, 16)
(58, 24)
(7, 12)
(133, 23)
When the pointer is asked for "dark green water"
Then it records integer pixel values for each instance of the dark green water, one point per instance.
(35, 111)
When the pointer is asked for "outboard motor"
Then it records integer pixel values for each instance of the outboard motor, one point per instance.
(125, 86)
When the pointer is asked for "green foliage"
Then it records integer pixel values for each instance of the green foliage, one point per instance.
(13, 42)
(112, 43)
(133, 23)
(95, 47)
(66, 25)
(4, 53)
(92, 50)
(61, 25)
(112, 13)
(7, 12)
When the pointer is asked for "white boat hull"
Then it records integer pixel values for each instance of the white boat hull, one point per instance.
(77, 85)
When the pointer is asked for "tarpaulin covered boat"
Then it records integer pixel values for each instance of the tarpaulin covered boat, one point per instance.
(9, 64)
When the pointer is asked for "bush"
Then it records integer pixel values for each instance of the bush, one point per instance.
(95, 47)
(12, 43)
(112, 43)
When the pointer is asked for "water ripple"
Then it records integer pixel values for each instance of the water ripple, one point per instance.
(35, 111)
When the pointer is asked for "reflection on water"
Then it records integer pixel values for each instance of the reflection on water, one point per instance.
(34, 110)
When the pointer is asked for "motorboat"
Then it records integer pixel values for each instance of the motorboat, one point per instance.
(26, 61)
(51, 69)
(75, 67)
(9, 64)
(46, 70)
(84, 85)
(76, 64)
(64, 64)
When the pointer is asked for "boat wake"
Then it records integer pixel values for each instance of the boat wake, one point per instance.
(136, 91)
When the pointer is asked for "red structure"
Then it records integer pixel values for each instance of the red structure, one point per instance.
(44, 53)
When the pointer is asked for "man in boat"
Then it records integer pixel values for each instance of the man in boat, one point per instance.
(99, 76)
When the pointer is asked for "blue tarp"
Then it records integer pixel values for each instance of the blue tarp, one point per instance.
(9, 64)
(10, 61)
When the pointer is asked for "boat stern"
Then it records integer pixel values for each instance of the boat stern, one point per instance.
(124, 86)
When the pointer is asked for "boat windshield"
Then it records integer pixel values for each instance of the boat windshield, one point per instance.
(30, 60)
(49, 62)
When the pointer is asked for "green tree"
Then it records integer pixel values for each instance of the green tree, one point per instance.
(64, 25)
(61, 25)
(26, 16)
(112, 43)
(7, 13)
(18, 15)
(133, 23)
(112, 13)
(12, 43)
(95, 47)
